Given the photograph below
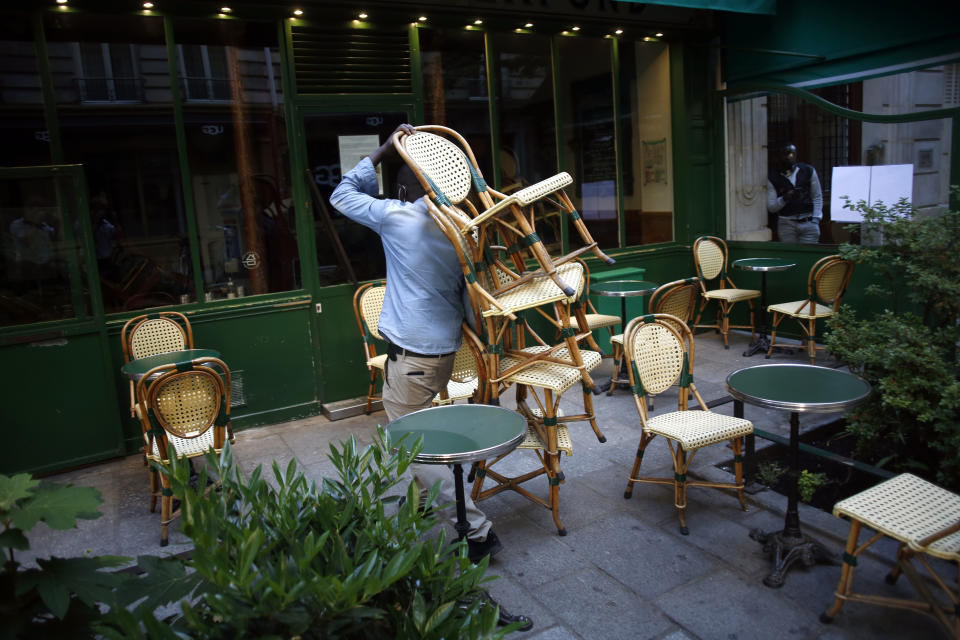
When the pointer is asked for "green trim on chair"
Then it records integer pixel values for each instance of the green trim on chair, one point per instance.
(850, 559)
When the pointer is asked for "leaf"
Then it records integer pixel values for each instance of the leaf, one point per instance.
(165, 581)
(61, 577)
(15, 488)
(58, 505)
(14, 539)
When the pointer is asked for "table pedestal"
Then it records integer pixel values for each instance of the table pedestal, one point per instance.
(790, 545)
(762, 343)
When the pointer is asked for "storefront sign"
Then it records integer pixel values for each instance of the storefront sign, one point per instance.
(251, 260)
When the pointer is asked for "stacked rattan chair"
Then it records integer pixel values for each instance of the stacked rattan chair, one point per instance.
(924, 519)
(184, 411)
(495, 238)
(659, 350)
(710, 258)
(151, 334)
(826, 285)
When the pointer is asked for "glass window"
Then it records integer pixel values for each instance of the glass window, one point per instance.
(586, 101)
(455, 88)
(528, 150)
(238, 156)
(41, 277)
(25, 135)
(112, 87)
(826, 141)
(647, 144)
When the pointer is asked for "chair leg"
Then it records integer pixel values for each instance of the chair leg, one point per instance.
(591, 415)
(371, 391)
(166, 510)
(812, 342)
(725, 322)
(680, 487)
(846, 574)
(552, 458)
(737, 446)
(154, 489)
(774, 323)
(634, 473)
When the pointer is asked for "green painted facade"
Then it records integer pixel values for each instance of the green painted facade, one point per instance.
(66, 404)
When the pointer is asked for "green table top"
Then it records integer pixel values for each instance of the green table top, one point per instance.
(763, 264)
(798, 387)
(135, 369)
(624, 288)
(460, 432)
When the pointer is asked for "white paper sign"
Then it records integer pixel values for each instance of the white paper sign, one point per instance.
(881, 183)
(353, 149)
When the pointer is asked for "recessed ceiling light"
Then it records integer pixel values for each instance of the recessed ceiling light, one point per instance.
(529, 25)
(61, 1)
(647, 39)
(618, 31)
(362, 15)
(298, 12)
(422, 18)
(478, 21)
(659, 34)
(148, 5)
(225, 9)
(576, 28)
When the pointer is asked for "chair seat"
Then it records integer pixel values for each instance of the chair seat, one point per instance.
(731, 295)
(908, 508)
(556, 377)
(597, 321)
(458, 391)
(617, 339)
(801, 309)
(539, 290)
(534, 192)
(531, 440)
(695, 429)
(377, 362)
(186, 447)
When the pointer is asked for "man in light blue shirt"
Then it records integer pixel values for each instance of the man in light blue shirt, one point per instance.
(423, 309)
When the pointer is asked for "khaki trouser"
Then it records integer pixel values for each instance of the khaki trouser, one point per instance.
(410, 384)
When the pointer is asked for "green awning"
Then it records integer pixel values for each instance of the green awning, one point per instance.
(765, 7)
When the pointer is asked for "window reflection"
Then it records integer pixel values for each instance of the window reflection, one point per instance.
(647, 144)
(237, 149)
(455, 88)
(586, 95)
(527, 129)
(111, 82)
(25, 135)
(40, 277)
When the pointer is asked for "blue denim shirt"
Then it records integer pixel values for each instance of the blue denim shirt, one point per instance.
(423, 305)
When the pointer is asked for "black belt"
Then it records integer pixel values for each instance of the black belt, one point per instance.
(806, 219)
(393, 351)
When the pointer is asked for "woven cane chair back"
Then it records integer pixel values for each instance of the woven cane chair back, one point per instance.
(464, 364)
(677, 298)
(148, 335)
(442, 162)
(369, 306)
(710, 257)
(657, 352)
(829, 279)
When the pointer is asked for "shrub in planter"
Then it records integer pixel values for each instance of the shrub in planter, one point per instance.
(282, 559)
(912, 420)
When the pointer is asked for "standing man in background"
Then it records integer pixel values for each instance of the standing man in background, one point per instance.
(793, 192)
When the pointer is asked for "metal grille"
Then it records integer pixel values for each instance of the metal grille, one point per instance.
(951, 85)
(332, 61)
(238, 395)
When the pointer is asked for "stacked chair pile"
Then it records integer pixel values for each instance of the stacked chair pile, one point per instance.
(496, 239)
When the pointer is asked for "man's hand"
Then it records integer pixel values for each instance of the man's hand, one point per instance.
(386, 150)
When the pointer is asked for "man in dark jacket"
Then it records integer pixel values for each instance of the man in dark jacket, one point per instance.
(793, 192)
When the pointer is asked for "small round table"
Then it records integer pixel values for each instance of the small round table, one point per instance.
(136, 369)
(763, 265)
(797, 388)
(622, 289)
(458, 433)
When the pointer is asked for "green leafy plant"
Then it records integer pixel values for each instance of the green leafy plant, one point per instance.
(912, 420)
(282, 559)
(769, 473)
(808, 482)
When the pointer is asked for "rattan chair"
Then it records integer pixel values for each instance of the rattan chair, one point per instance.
(446, 167)
(925, 521)
(710, 258)
(659, 356)
(826, 284)
(153, 333)
(677, 298)
(367, 305)
(467, 381)
(184, 407)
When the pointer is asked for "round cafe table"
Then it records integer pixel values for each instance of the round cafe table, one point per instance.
(764, 266)
(457, 433)
(622, 289)
(797, 388)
